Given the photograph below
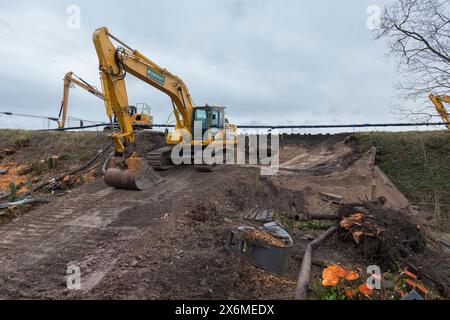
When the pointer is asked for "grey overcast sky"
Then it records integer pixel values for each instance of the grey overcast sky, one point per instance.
(277, 62)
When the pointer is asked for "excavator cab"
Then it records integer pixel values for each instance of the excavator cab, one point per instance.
(210, 118)
(132, 110)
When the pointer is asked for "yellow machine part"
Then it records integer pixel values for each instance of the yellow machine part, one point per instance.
(136, 175)
(141, 119)
(115, 63)
(438, 104)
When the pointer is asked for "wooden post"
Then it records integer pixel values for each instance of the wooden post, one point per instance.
(373, 191)
(53, 162)
(437, 208)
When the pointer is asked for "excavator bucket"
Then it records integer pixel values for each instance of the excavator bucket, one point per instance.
(137, 175)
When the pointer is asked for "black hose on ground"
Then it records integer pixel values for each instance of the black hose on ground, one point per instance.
(105, 163)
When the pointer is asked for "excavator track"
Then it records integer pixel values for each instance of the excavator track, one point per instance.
(159, 159)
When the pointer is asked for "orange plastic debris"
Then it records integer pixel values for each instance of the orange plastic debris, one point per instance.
(332, 274)
(417, 285)
(349, 293)
(411, 283)
(422, 288)
(330, 280)
(365, 290)
(401, 292)
(412, 275)
(352, 276)
(337, 270)
(340, 272)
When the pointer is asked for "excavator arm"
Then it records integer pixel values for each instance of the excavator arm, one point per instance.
(438, 103)
(71, 79)
(114, 64)
(116, 60)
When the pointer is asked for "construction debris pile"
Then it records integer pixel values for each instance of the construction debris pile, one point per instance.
(382, 236)
(168, 242)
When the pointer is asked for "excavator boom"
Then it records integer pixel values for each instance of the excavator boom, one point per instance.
(71, 79)
(115, 63)
(139, 119)
(438, 104)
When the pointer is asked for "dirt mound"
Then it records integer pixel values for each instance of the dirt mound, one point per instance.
(392, 240)
(336, 169)
(321, 157)
(168, 242)
(205, 212)
(384, 237)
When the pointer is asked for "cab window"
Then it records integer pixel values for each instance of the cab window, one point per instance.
(201, 115)
(215, 118)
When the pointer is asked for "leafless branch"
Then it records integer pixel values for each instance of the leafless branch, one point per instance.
(418, 34)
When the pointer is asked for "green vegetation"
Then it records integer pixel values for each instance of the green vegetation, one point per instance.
(418, 163)
(319, 292)
(333, 294)
(314, 224)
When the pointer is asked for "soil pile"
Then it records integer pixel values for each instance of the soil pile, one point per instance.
(383, 236)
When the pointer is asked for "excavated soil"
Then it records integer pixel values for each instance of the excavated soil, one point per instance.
(169, 242)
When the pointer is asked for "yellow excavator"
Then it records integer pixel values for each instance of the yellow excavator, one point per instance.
(129, 169)
(141, 119)
(70, 80)
(438, 104)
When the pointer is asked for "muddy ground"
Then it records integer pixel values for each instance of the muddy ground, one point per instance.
(169, 242)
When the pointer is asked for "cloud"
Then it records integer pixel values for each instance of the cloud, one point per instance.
(267, 61)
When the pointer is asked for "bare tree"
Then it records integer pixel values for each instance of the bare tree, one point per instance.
(418, 34)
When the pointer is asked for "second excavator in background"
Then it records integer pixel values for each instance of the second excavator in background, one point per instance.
(438, 104)
(131, 170)
(140, 114)
(70, 80)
